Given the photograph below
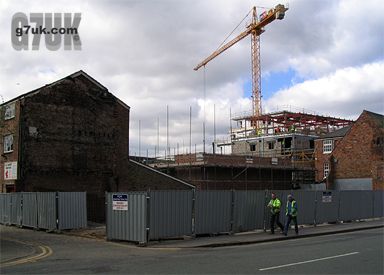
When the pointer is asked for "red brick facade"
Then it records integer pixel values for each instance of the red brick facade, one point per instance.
(322, 158)
(9, 127)
(359, 154)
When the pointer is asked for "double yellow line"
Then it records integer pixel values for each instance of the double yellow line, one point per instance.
(46, 251)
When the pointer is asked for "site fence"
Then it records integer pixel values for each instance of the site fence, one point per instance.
(144, 216)
(44, 210)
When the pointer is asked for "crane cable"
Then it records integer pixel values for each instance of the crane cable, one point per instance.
(222, 43)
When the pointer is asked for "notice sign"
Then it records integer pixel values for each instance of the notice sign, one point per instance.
(120, 202)
(10, 170)
(327, 196)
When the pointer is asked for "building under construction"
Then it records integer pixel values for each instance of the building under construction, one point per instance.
(274, 151)
(280, 134)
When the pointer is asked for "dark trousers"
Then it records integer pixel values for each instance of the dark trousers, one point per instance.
(275, 217)
(288, 220)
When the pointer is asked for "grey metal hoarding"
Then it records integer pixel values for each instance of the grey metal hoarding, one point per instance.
(2, 208)
(5, 204)
(327, 206)
(29, 210)
(306, 203)
(213, 212)
(249, 208)
(127, 216)
(72, 210)
(378, 204)
(170, 213)
(355, 205)
(46, 210)
(16, 211)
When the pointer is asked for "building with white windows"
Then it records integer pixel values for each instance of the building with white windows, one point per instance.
(352, 158)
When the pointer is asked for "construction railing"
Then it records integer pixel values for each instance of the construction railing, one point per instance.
(145, 216)
(44, 210)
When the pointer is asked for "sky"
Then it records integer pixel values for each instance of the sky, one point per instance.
(325, 57)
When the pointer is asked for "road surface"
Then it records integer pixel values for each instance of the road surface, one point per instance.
(359, 252)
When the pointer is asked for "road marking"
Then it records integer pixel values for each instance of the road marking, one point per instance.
(46, 251)
(310, 261)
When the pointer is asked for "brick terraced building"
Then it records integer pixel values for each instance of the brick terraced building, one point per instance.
(353, 160)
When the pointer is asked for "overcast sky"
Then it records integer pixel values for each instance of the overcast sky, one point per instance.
(326, 56)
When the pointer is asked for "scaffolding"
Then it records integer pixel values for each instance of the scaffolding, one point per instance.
(284, 122)
(279, 152)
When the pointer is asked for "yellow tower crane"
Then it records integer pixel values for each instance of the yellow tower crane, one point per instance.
(255, 28)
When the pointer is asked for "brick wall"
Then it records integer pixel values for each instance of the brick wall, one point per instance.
(82, 134)
(321, 158)
(358, 154)
(9, 126)
(220, 177)
(185, 158)
(137, 177)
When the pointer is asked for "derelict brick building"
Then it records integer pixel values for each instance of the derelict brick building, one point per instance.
(72, 135)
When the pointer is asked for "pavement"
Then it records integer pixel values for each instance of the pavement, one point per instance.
(244, 238)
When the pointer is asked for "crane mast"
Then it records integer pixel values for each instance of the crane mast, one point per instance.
(255, 28)
(256, 70)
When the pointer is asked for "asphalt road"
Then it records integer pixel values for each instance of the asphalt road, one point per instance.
(359, 252)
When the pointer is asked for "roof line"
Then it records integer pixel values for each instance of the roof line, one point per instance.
(73, 75)
(163, 174)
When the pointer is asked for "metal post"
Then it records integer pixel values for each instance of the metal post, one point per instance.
(204, 111)
(158, 137)
(139, 138)
(167, 150)
(193, 222)
(232, 211)
(314, 218)
(148, 216)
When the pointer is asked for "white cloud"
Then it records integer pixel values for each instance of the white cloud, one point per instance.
(344, 93)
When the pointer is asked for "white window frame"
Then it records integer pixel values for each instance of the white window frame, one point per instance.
(327, 146)
(8, 143)
(326, 169)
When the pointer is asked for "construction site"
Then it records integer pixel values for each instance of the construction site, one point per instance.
(267, 150)
(279, 153)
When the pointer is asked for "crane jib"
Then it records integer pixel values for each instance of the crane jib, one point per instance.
(254, 28)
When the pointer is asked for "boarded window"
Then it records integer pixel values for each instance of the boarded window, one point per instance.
(9, 111)
(8, 143)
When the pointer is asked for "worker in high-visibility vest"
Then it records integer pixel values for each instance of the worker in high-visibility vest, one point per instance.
(291, 214)
(275, 205)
